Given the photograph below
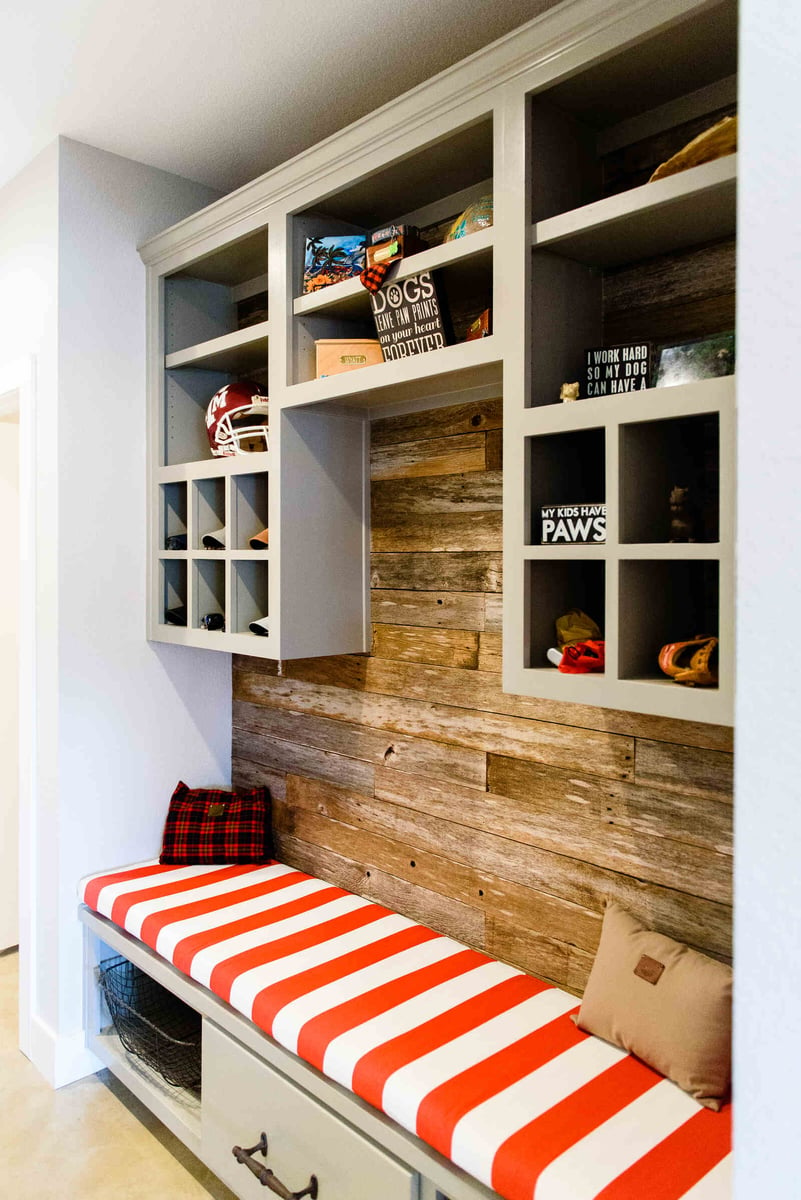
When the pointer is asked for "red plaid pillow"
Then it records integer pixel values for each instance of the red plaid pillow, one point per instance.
(209, 825)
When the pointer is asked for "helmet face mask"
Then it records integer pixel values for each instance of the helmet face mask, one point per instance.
(237, 420)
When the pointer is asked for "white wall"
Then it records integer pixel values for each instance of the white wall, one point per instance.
(119, 720)
(9, 682)
(768, 757)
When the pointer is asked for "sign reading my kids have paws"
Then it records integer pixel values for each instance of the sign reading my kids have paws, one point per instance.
(572, 523)
(617, 369)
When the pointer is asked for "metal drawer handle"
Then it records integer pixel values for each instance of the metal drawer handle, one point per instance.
(266, 1177)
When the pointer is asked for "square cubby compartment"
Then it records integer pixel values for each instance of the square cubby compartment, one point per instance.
(669, 480)
(251, 596)
(250, 502)
(209, 515)
(555, 587)
(218, 294)
(173, 590)
(662, 602)
(173, 516)
(567, 471)
(208, 593)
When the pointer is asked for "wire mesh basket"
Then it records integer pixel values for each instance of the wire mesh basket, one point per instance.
(151, 1023)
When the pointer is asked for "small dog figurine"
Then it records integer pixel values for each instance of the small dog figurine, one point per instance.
(682, 524)
(569, 392)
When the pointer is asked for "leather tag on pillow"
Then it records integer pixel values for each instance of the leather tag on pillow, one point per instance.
(649, 969)
(663, 1002)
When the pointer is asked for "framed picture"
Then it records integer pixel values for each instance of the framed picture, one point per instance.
(704, 358)
(331, 259)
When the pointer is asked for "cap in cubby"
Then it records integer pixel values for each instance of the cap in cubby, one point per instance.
(260, 541)
(215, 540)
(259, 627)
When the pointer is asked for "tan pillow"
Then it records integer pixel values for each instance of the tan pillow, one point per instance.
(664, 1002)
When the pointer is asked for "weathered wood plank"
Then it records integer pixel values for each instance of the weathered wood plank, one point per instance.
(419, 756)
(677, 866)
(438, 422)
(429, 908)
(445, 610)
(489, 652)
(247, 774)
(453, 532)
(699, 821)
(366, 853)
(495, 450)
(435, 456)
(482, 690)
(437, 647)
(609, 755)
(284, 756)
(314, 860)
(475, 492)
(685, 769)
(548, 959)
(493, 613)
(438, 571)
(467, 881)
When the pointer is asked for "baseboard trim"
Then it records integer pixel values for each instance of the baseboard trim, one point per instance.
(61, 1059)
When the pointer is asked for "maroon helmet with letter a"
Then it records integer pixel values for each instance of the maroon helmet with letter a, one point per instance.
(237, 420)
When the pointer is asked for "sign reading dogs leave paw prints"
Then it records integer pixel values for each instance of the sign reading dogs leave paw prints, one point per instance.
(566, 524)
(407, 317)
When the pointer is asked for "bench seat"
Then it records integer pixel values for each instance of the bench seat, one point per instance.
(478, 1059)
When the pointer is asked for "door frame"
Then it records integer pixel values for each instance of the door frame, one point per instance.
(18, 391)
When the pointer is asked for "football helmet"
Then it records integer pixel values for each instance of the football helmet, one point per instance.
(237, 420)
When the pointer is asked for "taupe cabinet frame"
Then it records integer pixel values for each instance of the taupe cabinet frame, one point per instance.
(432, 149)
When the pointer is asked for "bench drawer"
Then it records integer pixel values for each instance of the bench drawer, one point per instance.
(244, 1096)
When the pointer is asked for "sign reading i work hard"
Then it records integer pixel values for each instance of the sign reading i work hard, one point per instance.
(407, 317)
(617, 369)
(566, 524)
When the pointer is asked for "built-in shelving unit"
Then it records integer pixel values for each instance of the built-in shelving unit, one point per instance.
(584, 252)
(614, 258)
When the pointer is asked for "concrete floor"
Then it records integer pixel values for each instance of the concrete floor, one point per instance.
(92, 1140)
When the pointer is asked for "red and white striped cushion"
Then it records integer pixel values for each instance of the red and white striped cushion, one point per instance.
(475, 1057)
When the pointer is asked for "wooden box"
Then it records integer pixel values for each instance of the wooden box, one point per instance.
(335, 355)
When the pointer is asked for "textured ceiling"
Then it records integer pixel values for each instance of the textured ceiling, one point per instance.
(221, 90)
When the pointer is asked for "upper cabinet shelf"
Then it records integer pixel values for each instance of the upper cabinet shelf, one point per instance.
(351, 297)
(239, 352)
(440, 372)
(695, 206)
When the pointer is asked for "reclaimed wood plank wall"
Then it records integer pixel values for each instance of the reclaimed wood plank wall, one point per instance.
(410, 777)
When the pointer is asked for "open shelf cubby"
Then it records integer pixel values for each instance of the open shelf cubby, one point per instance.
(173, 512)
(173, 590)
(250, 509)
(663, 602)
(658, 456)
(603, 131)
(553, 588)
(565, 469)
(251, 595)
(222, 293)
(209, 517)
(427, 189)
(208, 590)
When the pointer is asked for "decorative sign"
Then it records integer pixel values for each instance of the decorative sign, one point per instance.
(407, 317)
(617, 369)
(563, 524)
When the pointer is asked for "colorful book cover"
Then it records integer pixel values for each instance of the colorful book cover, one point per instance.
(332, 259)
